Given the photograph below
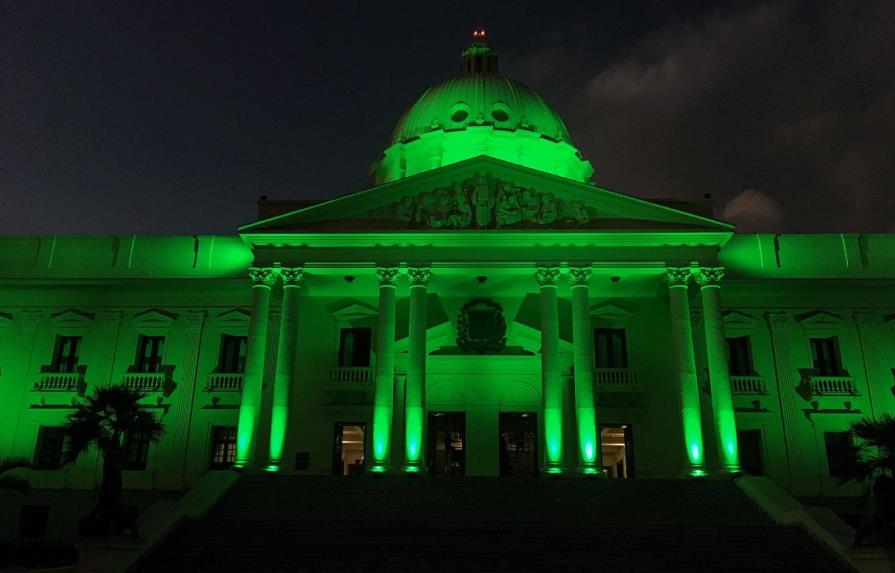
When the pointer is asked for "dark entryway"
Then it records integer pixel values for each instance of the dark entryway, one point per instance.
(518, 444)
(447, 437)
(749, 446)
(349, 445)
(617, 449)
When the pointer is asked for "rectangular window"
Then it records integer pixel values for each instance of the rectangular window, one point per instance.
(739, 356)
(839, 453)
(149, 353)
(750, 449)
(223, 447)
(233, 354)
(610, 348)
(65, 355)
(825, 355)
(355, 346)
(136, 451)
(50, 440)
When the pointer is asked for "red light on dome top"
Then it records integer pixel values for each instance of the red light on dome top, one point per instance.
(478, 34)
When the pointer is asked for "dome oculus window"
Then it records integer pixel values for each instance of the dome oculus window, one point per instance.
(459, 113)
(500, 113)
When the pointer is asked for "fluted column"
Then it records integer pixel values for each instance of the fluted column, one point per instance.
(724, 416)
(285, 372)
(583, 359)
(685, 363)
(790, 409)
(384, 394)
(250, 406)
(551, 380)
(877, 391)
(415, 391)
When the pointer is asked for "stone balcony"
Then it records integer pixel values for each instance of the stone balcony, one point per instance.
(348, 376)
(748, 385)
(58, 382)
(224, 382)
(616, 380)
(144, 381)
(833, 385)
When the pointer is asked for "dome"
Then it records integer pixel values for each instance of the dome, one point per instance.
(480, 112)
(480, 99)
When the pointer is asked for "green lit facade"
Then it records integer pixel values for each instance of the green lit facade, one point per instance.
(482, 309)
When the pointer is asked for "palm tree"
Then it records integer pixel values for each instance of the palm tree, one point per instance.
(9, 481)
(106, 420)
(873, 453)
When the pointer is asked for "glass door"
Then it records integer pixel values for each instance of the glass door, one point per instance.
(447, 436)
(349, 443)
(518, 444)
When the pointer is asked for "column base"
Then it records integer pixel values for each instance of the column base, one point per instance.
(591, 471)
(695, 472)
(730, 472)
(413, 468)
(553, 469)
(379, 468)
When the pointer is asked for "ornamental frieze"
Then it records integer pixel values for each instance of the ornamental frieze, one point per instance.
(484, 202)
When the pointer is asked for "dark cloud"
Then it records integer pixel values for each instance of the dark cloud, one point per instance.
(753, 210)
(795, 100)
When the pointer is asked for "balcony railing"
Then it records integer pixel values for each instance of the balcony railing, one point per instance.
(350, 375)
(224, 382)
(144, 381)
(833, 385)
(747, 385)
(616, 379)
(58, 382)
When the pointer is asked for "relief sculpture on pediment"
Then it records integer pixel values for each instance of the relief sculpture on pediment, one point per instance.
(484, 202)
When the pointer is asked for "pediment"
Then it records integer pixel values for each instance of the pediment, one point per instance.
(611, 311)
(484, 193)
(349, 311)
(233, 317)
(738, 319)
(154, 318)
(820, 322)
(71, 317)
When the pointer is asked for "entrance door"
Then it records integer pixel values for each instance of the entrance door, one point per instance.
(617, 448)
(349, 445)
(518, 444)
(447, 443)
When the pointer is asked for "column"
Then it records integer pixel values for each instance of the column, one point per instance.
(685, 362)
(877, 391)
(725, 423)
(583, 360)
(551, 380)
(172, 474)
(384, 394)
(790, 409)
(415, 391)
(285, 370)
(250, 406)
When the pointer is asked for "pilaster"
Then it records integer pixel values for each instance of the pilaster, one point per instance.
(583, 360)
(551, 378)
(384, 393)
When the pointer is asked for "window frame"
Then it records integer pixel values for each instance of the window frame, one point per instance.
(611, 333)
(748, 359)
(141, 364)
(67, 361)
(229, 447)
(227, 356)
(41, 448)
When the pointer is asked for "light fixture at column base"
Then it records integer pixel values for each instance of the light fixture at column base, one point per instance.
(271, 468)
(378, 468)
(413, 468)
(697, 472)
(553, 469)
(590, 470)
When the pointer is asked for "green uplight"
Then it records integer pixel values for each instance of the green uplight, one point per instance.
(378, 469)
(413, 469)
(382, 419)
(554, 470)
(697, 473)
(272, 468)
(414, 438)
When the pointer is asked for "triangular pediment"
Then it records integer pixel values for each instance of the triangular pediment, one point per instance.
(484, 193)
(71, 317)
(154, 318)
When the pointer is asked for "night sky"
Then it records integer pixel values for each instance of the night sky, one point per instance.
(159, 117)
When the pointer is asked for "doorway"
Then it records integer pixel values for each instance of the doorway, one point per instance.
(447, 443)
(518, 444)
(617, 447)
(349, 445)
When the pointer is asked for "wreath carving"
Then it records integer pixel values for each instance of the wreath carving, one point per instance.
(481, 327)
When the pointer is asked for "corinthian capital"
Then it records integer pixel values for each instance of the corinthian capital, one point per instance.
(387, 276)
(677, 276)
(419, 276)
(547, 276)
(706, 276)
(262, 276)
(292, 275)
(579, 276)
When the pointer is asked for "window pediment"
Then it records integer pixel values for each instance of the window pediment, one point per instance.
(238, 317)
(820, 323)
(71, 318)
(154, 318)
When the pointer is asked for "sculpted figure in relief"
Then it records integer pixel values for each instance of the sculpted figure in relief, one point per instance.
(509, 212)
(483, 197)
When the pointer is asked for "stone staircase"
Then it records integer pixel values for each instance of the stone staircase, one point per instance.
(280, 523)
